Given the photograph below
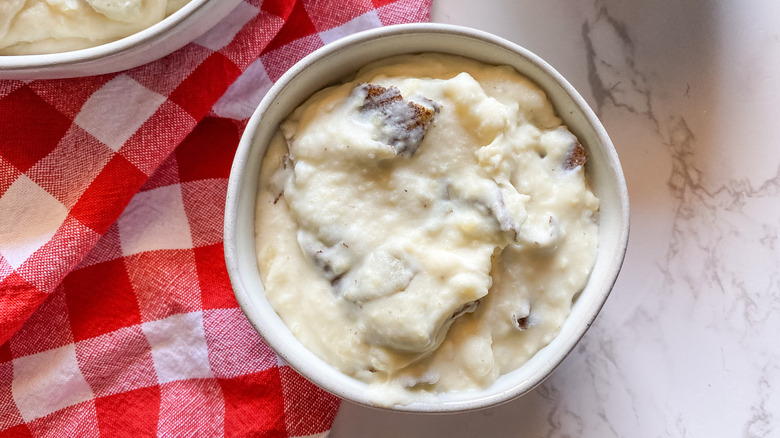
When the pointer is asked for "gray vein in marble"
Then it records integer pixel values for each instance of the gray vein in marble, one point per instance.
(709, 224)
(701, 222)
(616, 81)
(555, 418)
(604, 358)
(761, 420)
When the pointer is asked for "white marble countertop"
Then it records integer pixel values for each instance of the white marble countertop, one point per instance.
(688, 344)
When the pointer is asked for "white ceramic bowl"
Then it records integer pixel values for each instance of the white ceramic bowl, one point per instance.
(334, 62)
(170, 34)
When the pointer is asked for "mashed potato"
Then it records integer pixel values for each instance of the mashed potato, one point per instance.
(425, 226)
(47, 26)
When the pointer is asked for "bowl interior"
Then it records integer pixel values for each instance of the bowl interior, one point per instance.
(336, 62)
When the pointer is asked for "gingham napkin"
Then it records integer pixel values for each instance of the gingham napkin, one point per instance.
(116, 314)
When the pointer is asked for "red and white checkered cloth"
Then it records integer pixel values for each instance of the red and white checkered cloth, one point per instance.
(116, 314)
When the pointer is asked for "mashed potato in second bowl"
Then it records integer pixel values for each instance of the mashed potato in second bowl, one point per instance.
(29, 27)
(426, 226)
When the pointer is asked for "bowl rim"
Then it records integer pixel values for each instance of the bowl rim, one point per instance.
(22, 63)
(329, 378)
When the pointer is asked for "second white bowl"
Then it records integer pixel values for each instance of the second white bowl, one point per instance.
(163, 38)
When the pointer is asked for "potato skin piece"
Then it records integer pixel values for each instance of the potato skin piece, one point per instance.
(577, 157)
(410, 120)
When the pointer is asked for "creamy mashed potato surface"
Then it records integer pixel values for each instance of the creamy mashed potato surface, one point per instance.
(425, 226)
(30, 27)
